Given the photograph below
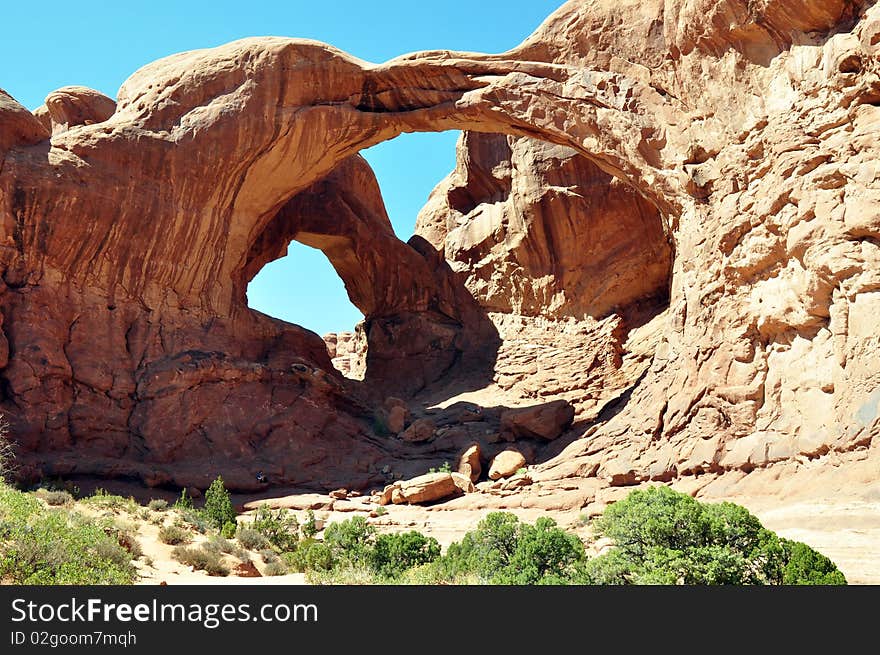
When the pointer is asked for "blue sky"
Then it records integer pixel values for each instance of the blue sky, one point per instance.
(51, 44)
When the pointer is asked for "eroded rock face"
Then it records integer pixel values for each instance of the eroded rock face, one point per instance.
(71, 106)
(703, 207)
(535, 229)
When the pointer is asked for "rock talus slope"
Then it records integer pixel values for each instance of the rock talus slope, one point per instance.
(678, 199)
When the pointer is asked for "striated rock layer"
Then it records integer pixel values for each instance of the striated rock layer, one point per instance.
(682, 194)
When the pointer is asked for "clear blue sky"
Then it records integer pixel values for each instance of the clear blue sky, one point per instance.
(49, 44)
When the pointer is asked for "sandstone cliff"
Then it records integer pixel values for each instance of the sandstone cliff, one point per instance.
(663, 211)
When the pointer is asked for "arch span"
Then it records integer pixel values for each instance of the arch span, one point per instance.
(223, 138)
(145, 228)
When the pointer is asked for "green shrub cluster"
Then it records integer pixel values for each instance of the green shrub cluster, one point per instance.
(158, 504)
(47, 546)
(660, 537)
(665, 537)
(354, 546)
(280, 528)
(101, 499)
(504, 550)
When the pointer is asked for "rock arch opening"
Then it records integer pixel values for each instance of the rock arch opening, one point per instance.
(304, 289)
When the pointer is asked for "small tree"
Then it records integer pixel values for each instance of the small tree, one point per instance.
(280, 527)
(395, 553)
(351, 540)
(218, 506)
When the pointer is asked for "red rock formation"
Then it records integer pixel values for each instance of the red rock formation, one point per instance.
(722, 154)
(539, 230)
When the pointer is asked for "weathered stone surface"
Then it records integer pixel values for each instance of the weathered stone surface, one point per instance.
(537, 229)
(469, 462)
(505, 464)
(426, 488)
(18, 127)
(397, 419)
(546, 421)
(297, 502)
(421, 430)
(463, 482)
(71, 106)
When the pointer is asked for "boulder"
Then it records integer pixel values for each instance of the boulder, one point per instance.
(463, 482)
(546, 421)
(469, 462)
(426, 488)
(421, 430)
(397, 416)
(505, 464)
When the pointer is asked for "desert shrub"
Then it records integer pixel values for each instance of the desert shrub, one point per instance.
(503, 550)
(486, 550)
(309, 555)
(434, 573)
(805, 566)
(251, 539)
(43, 547)
(310, 526)
(544, 554)
(346, 574)
(380, 425)
(218, 544)
(101, 499)
(268, 555)
(662, 536)
(55, 498)
(395, 553)
(126, 536)
(380, 510)
(201, 560)
(17, 507)
(280, 527)
(218, 506)
(158, 504)
(445, 467)
(173, 535)
(197, 519)
(183, 501)
(351, 540)
(275, 567)
(229, 529)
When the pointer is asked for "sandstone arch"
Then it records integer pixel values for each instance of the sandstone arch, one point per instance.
(139, 232)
